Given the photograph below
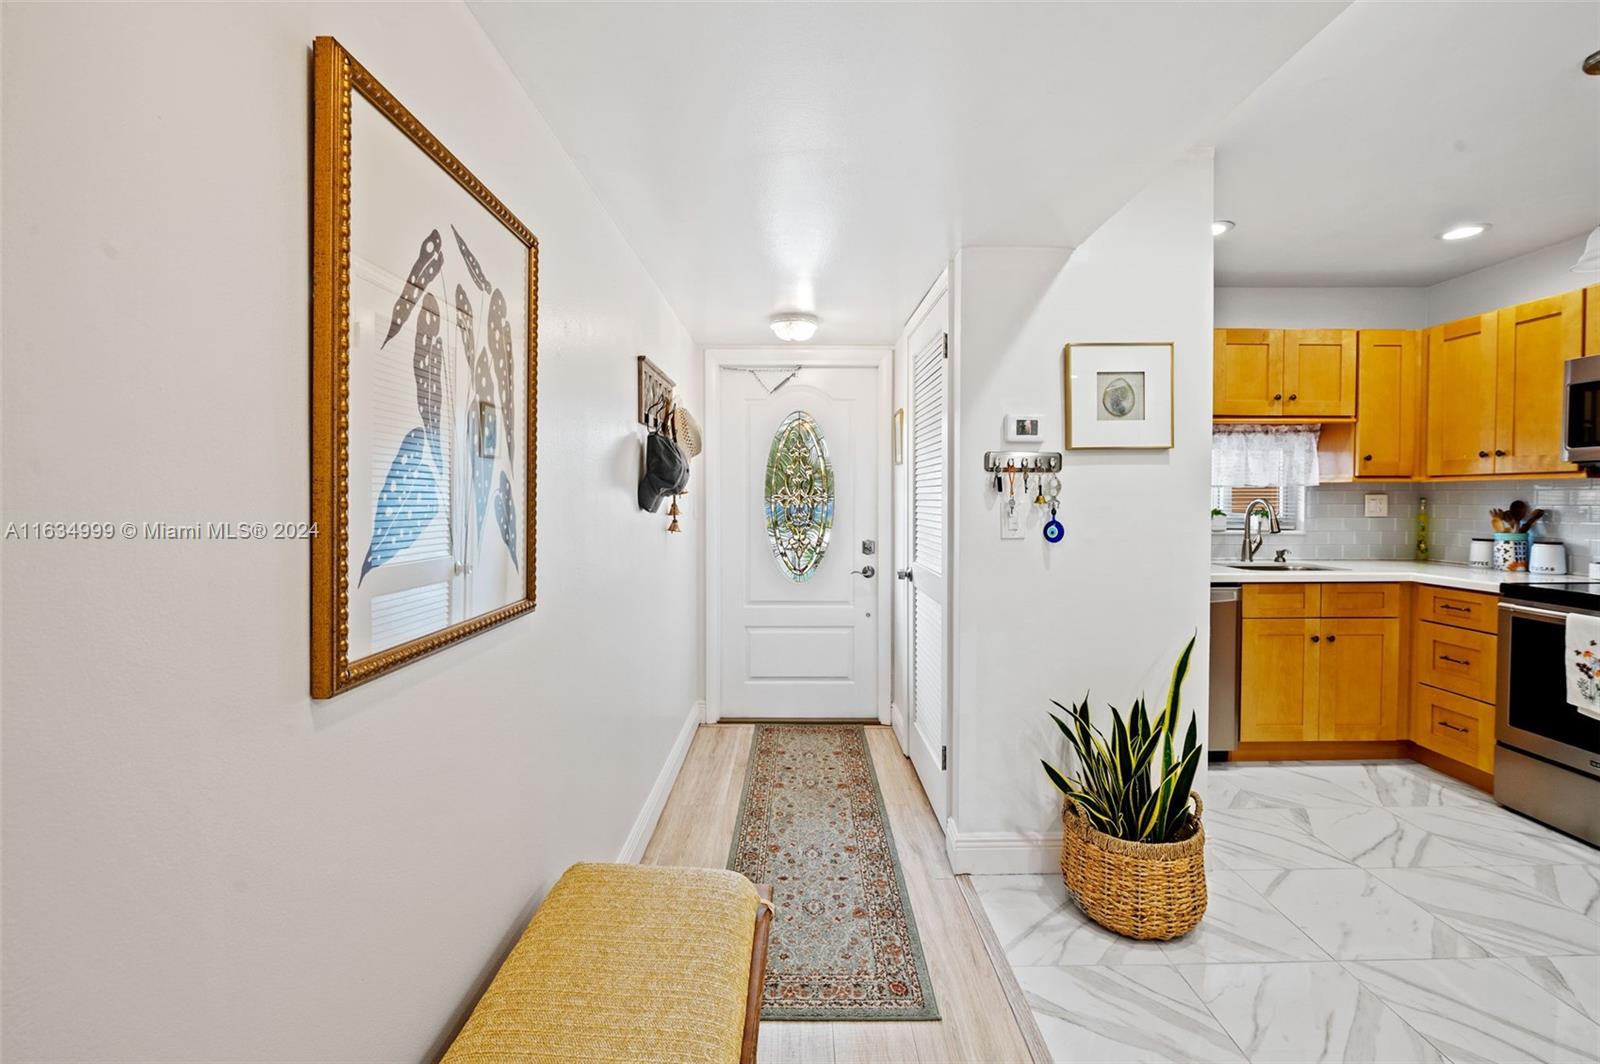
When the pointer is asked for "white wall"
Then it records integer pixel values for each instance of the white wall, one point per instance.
(1321, 308)
(200, 862)
(1108, 609)
(1541, 273)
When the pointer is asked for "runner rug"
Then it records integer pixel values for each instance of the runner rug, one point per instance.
(844, 943)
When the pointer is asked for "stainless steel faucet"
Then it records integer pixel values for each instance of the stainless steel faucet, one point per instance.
(1251, 544)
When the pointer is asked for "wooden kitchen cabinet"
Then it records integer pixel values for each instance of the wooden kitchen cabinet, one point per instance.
(1464, 609)
(1278, 680)
(1460, 728)
(1360, 600)
(1455, 659)
(1319, 373)
(1389, 397)
(1462, 376)
(1536, 340)
(1358, 679)
(1591, 320)
(1247, 373)
(1282, 600)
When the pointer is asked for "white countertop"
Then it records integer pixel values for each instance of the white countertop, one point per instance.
(1440, 574)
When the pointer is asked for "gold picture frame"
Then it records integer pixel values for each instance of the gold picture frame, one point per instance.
(337, 80)
(1140, 415)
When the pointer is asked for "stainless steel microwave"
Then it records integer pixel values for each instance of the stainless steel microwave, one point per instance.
(1580, 412)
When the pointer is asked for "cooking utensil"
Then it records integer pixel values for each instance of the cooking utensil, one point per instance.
(1530, 520)
(1517, 511)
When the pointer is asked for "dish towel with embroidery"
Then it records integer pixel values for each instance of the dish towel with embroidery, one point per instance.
(1583, 663)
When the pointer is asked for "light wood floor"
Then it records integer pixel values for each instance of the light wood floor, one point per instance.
(977, 1025)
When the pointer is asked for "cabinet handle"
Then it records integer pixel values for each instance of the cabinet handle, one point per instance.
(1333, 639)
(1293, 397)
(1366, 458)
(1277, 397)
(1316, 639)
(1453, 661)
(1483, 454)
(1452, 727)
(1455, 609)
(1499, 453)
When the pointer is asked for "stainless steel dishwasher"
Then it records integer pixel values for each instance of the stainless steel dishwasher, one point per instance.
(1224, 734)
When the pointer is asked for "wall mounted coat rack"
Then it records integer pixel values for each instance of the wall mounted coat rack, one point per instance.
(1022, 461)
(655, 396)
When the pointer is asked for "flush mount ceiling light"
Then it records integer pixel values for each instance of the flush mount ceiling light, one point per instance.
(1465, 231)
(794, 328)
(1589, 261)
(1220, 226)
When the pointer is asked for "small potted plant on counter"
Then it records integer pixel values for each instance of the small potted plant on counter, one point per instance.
(1219, 520)
(1132, 851)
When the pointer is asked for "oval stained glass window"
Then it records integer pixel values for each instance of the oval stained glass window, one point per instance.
(799, 496)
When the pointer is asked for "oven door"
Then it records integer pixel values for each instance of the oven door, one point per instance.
(1580, 431)
(1532, 712)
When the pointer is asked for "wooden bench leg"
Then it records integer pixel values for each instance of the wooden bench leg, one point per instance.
(758, 977)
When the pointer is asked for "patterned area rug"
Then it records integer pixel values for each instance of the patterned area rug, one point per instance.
(844, 944)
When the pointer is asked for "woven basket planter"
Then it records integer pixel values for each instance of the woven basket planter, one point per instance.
(1149, 890)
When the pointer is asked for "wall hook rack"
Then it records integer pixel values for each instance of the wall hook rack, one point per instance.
(655, 396)
(1022, 461)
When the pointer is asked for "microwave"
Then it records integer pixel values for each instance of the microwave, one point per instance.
(1580, 412)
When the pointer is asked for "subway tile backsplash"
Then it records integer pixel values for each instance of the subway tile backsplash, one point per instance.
(1334, 528)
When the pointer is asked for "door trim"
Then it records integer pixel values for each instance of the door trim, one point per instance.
(719, 358)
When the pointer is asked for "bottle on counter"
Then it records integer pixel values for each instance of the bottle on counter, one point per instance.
(1422, 529)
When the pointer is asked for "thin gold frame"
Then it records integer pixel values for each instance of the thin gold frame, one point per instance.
(1172, 406)
(335, 75)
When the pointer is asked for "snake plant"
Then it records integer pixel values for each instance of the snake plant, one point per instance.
(1120, 786)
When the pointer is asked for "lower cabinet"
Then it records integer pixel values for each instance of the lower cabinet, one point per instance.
(1308, 679)
(1460, 728)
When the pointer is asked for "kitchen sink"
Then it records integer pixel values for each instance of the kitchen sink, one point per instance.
(1282, 567)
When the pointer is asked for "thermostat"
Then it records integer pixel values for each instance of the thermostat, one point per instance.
(1023, 428)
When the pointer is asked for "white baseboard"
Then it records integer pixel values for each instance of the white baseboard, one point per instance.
(897, 721)
(656, 800)
(996, 853)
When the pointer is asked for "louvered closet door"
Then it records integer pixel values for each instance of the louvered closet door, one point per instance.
(930, 581)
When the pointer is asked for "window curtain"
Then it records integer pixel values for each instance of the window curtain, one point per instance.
(1251, 455)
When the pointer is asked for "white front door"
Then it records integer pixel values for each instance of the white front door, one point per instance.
(800, 621)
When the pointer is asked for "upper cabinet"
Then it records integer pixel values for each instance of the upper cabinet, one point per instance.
(1591, 320)
(1536, 341)
(1319, 373)
(1389, 384)
(1462, 372)
(1294, 373)
(1247, 373)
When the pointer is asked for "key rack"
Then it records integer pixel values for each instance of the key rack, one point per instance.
(1022, 461)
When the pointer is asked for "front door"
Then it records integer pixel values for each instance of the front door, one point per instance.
(798, 548)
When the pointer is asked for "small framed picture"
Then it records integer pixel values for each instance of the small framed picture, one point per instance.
(1119, 395)
(1023, 428)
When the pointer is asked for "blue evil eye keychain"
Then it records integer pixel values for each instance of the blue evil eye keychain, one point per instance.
(1053, 532)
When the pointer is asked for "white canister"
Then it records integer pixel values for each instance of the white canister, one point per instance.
(1481, 553)
(1548, 556)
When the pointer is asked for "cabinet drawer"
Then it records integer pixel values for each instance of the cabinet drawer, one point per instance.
(1459, 728)
(1282, 600)
(1360, 600)
(1463, 609)
(1455, 659)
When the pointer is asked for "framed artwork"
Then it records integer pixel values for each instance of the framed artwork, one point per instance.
(424, 291)
(1119, 395)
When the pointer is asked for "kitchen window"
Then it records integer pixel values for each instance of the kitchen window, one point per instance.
(1271, 462)
(1287, 500)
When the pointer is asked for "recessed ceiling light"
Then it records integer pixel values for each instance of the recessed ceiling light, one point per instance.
(794, 328)
(1220, 226)
(1465, 231)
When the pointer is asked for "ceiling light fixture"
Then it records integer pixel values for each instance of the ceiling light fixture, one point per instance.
(794, 328)
(1465, 231)
(1220, 226)
(1589, 261)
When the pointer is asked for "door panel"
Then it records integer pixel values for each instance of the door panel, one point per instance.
(1359, 680)
(1247, 372)
(1319, 373)
(928, 454)
(1389, 376)
(793, 649)
(1278, 681)
(1462, 376)
(1536, 340)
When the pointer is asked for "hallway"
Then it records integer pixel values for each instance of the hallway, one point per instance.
(696, 829)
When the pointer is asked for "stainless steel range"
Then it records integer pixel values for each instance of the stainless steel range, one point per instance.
(1547, 754)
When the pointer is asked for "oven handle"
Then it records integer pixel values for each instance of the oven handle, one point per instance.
(1538, 614)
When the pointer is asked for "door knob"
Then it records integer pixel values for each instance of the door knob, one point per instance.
(904, 574)
(866, 570)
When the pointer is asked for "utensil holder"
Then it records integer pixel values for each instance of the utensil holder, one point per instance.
(1511, 552)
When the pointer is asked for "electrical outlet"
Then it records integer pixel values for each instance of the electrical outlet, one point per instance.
(1378, 505)
(1011, 519)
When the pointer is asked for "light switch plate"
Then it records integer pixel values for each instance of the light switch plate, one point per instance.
(1010, 521)
(1378, 505)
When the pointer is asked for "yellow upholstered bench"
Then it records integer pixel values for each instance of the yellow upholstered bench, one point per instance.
(629, 963)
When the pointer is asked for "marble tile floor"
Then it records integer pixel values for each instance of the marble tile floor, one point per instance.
(1376, 912)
